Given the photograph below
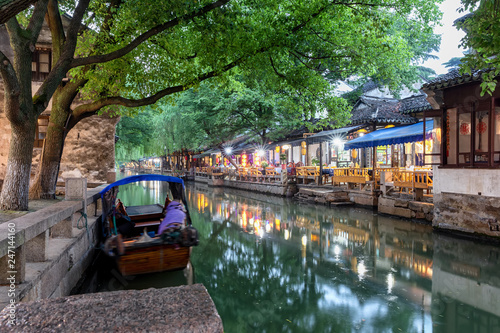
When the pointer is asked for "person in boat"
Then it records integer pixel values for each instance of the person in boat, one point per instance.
(174, 216)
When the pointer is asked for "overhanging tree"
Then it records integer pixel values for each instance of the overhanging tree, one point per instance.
(135, 60)
(482, 36)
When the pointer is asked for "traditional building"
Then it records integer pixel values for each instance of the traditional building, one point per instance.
(465, 152)
(89, 148)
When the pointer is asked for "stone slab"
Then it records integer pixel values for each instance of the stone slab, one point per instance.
(398, 211)
(424, 207)
(177, 309)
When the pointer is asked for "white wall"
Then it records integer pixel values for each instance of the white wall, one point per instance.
(467, 181)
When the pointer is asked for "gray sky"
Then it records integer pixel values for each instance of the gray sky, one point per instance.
(450, 37)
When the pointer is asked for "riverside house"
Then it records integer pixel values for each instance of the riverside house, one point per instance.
(465, 153)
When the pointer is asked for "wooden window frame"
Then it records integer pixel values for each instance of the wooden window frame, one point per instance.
(39, 142)
(435, 114)
(471, 108)
(37, 75)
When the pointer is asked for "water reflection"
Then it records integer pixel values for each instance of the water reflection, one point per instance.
(272, 265)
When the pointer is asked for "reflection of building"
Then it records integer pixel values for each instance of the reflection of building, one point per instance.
(466, 291)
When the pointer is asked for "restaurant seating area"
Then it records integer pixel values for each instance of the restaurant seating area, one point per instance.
(416, 183)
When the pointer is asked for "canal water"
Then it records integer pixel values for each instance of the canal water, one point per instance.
(272, 264)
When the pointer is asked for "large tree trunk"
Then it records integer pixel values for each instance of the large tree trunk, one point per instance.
(44, 185)
(14, 194)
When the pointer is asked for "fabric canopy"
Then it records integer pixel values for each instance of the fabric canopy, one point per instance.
(139, 178)
(389, 136)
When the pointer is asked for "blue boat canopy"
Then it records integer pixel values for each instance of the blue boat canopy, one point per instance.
(389, 136)
(140, 178)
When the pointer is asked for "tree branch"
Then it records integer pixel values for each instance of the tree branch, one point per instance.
(140, 39)
(10, 8)
(275, 70)
(36, 21)
(12, 89)
(118, 100)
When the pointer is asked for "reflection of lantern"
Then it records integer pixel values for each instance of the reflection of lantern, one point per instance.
(277, 149)
(354, 153)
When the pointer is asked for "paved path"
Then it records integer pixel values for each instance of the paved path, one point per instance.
(178, 309)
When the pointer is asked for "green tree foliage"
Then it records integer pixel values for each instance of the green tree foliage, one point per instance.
(135, 53)
(454, 62)
(135, 137)
(482, 26)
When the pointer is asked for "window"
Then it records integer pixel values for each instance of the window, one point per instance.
(40, 64)
(41, 130)
(432, 139)
(472, 135)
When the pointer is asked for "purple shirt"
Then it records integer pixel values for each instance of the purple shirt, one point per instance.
(174, 214)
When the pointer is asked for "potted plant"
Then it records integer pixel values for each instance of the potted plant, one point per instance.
(264, 165)
(282, 158)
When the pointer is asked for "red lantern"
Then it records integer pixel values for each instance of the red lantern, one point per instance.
(186, 158)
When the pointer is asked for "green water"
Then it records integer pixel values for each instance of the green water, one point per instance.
(273, 265)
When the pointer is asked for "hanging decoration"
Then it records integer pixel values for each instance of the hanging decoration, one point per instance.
(465, 129)
(481, 127)
(256, 159)
(277, 149)
(244, 160)
(354, 153)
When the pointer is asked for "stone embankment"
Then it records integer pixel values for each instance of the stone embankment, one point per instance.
(177, 309)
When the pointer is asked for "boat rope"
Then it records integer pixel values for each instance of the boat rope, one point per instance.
(84, 225)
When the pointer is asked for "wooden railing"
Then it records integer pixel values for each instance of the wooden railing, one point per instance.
(306, 171)
(351, 175)
(412, 179)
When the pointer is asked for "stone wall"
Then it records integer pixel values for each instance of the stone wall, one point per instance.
(467, 213)
(90, 148)
(257, 187)
(406, 208)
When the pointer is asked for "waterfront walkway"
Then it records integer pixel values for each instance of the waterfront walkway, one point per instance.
(178, 309)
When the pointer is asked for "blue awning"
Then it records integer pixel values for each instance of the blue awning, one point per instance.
(389, 136)
(140, 178)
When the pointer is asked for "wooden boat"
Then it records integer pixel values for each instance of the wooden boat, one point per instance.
(130, 234)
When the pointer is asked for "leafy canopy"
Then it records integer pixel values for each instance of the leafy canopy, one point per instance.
(482, 27)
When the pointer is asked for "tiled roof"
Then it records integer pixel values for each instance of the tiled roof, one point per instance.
(383, 111)
(417, 103)
(453, 78)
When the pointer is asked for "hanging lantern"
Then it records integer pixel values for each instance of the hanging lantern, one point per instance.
(303, 145)
(244, 160)
(257, 159)
(277, 149)
(303, 151)
(186, 158)
(354, 153)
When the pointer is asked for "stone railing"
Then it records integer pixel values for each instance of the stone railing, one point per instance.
(37, 250)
